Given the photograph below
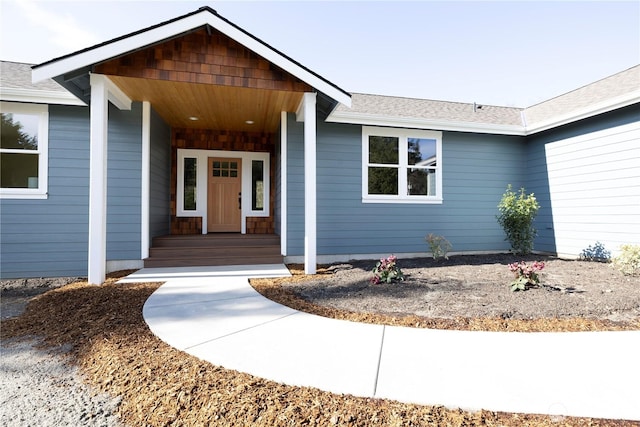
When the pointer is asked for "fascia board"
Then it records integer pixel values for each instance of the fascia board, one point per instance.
(419, 123)
(584, 113)
(172, 29)
(34, 96)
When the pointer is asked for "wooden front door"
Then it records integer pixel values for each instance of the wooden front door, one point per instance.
(224, 191)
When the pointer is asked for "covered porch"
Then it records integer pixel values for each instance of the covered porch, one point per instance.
(225, 96)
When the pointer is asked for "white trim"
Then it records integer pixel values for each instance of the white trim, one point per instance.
(42, 112)
(366, 119)
(101, 93)
(145, 38)
(202, 164)
(402, 135)
(350, 117)
(145, 180)
(97, 253)
(39, 96)
(283, 182)
(310, 177)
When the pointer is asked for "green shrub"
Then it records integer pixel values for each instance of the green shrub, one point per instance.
(628, 262)
(438, 245)
(517, 212)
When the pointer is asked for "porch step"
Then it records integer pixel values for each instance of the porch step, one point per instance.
(214, 249)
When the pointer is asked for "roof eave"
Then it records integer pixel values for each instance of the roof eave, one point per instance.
(422, 123)
(169, 29)
(584, 113)
(35, 96)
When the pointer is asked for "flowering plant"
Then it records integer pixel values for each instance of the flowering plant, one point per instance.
(387, 270)
(526, 274)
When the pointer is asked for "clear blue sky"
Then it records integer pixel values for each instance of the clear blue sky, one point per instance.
(513, 53)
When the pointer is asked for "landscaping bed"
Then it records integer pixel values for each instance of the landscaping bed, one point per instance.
(103, 329)
(468, 292)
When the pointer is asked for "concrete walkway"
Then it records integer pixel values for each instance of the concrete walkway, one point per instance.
(214, 314)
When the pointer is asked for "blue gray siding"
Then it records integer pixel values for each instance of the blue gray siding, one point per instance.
(159, 202)
(592, 201)
(124, 185)
(476, 171)
(49, 238)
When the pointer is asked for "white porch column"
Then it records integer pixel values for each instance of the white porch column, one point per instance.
(310, 249)
(145, 180)
(102, 91)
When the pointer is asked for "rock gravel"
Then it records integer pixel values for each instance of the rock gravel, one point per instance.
(38, 387)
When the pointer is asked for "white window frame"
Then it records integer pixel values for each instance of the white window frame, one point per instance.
(42, 111)
(403, 136)
(202, 164)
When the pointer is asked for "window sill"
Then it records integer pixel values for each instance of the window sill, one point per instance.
(24, 195)
(404, 200)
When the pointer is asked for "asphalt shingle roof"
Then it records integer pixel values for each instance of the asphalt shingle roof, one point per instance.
(17, 75)
(432, 110)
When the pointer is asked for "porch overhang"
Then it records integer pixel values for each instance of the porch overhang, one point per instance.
(70, 67)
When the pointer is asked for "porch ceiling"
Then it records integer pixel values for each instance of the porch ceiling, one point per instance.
(216, 107)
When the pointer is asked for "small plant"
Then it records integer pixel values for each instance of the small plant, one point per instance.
(439, 246)
(387, 270)
(597, 252)
(526, 274)
(517, 212)
(628, 261)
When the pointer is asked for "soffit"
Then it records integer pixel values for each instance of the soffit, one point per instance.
(216, 107)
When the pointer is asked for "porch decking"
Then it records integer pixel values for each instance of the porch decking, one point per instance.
(214, 249)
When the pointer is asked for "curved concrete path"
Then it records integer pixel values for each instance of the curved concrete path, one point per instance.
(214, 314)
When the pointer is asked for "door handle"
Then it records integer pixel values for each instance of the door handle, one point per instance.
(240, 201)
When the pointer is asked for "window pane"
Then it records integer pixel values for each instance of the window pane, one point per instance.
(19, 131)
(383, 181)
(421, 182)
(257, 185)
(383, 150)
(18, 170)
(422, 152)
(189, 184)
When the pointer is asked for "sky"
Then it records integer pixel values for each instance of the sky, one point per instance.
(508, 53)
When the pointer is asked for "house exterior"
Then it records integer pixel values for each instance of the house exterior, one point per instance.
(195, 127)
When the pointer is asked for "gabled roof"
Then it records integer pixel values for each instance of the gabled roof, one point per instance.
(81, 61)
(613, 92)
(16, 85)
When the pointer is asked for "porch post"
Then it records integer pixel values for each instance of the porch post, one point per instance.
(309, 183)
(98, 181)
(103, 91)
(145, 180)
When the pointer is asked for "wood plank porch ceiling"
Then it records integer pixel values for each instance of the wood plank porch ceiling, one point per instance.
(216, 107)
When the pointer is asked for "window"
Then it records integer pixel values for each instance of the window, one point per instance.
(190, 183)
(257, 185)
(23, 150)
(401, 166)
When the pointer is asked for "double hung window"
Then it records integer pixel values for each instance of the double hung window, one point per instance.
(23, 150)
(401, 166)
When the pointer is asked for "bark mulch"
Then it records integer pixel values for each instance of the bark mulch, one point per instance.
(161, 386)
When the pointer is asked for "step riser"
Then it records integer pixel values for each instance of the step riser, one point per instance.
(212, 252)
(195, 262)
(206, 243)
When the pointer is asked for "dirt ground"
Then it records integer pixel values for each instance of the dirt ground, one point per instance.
(161, 386)
(465, 292)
